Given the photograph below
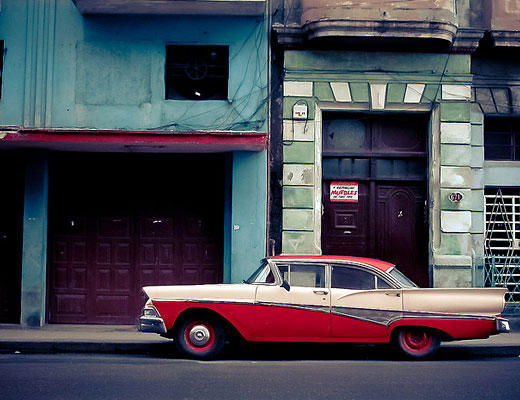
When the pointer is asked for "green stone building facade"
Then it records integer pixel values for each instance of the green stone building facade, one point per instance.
(333, 66)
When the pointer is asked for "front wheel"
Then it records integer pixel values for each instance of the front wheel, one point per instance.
(417, 343)
(200, 338)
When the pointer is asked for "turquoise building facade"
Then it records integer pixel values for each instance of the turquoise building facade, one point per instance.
(78, 85)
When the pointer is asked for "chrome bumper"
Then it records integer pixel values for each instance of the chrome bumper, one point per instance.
(502, 325)
(151, 321)
(152, 324)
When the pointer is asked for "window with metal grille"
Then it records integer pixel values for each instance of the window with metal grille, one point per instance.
(502, 244)
(196, 72)
(502, 138)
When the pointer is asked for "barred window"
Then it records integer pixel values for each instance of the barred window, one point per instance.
(502, 243)
(502, 139)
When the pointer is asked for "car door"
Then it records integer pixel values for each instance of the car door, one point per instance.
(301, 313)
(363, 303)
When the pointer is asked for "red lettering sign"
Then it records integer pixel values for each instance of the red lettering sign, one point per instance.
(344, 192)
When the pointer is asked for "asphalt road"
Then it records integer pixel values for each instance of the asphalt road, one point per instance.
(453, 375)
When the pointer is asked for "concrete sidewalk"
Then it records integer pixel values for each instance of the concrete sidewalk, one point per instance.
(111, 339)
(125, 339)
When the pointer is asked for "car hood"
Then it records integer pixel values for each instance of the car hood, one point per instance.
(220, 292)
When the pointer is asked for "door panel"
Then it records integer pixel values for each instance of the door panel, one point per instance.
(399, 221)
(345, 226)
(364, 313)
(289, 315)
(401, 234)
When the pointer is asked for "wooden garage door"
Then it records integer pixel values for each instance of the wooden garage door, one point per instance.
(118, 223)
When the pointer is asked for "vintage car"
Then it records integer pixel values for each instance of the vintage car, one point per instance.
(322, 299)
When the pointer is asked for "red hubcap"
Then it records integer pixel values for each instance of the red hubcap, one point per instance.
(417, 341)
(199, 336)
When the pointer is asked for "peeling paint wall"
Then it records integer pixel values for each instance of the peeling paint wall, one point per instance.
(65, 70)
(106, 72)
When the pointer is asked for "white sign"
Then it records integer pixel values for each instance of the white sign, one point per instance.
(344, 192)
(300, 111)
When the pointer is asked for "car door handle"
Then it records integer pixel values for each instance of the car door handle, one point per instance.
(321, 291)
(395, 294)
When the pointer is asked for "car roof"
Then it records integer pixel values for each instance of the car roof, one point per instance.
(379, 264)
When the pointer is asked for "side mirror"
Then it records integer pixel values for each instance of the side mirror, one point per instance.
(286, 285)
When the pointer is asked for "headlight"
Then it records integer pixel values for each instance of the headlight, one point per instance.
(150, 311)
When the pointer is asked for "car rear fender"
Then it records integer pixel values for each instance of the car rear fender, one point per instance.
(462, 301)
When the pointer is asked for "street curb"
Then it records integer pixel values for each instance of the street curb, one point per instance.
(152, 348)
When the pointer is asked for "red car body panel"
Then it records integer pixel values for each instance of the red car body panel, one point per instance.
(284, 324)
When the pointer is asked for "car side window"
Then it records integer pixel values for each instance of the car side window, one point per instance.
(352, 278)
(303, 275)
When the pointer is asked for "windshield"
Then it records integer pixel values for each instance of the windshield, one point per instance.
(263, 274)
(401, 278)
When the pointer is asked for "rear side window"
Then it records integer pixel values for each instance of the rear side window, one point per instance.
(357, 279)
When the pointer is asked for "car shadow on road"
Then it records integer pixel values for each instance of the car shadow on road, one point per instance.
(338, 352)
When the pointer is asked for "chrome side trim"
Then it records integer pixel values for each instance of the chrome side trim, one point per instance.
(387, 317)
(296, 306)
(380, 317)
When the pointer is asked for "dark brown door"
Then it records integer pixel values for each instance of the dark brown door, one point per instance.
(393, 229)
(386, 157)
(11, 220)
(129, 222)
(401, 229)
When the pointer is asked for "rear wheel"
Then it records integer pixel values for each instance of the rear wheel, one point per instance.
(200, 338)
(415, 342)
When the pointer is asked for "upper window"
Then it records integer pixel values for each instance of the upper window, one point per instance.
(196, 72)
(502, 139)
(353, 278)
(303, 275)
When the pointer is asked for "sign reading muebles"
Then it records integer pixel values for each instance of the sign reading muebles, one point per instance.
(344, 192)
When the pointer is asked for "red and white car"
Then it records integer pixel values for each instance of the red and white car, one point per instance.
(322, 299)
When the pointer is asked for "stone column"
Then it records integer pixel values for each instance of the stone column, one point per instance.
(298, 234)
(34, 260)
(453, 258)
(478, 215)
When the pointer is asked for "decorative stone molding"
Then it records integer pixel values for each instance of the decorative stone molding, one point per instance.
(39, 59)
(378, 96)
(414, 92)
(297, 89)
(456, 92)
(341, 91)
